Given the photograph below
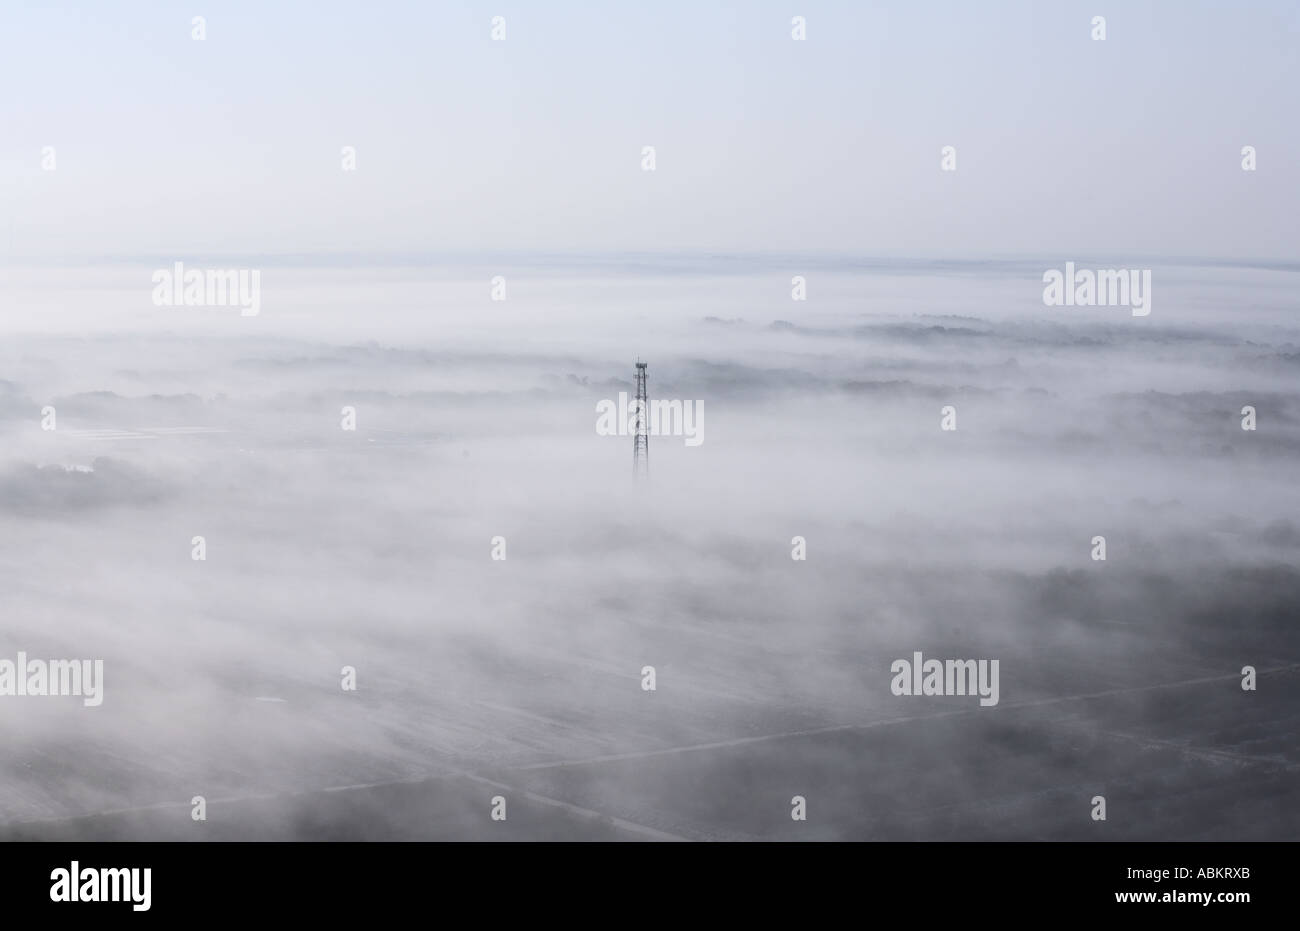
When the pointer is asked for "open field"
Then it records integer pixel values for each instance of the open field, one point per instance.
(522, 677)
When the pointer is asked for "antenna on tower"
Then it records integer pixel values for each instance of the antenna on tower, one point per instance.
(641, 434)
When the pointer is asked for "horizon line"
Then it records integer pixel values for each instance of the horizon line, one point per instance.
(361, 259)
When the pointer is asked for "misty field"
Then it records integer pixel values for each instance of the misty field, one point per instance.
(523, 677)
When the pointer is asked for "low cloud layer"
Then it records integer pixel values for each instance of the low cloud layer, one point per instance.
(372, 549)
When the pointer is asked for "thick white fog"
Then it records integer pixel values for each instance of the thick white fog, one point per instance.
(476, 418)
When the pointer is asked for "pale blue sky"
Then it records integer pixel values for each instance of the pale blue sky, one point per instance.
(169, 146)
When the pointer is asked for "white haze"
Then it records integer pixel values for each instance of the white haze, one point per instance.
(476, 418)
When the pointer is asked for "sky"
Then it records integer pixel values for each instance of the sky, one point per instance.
(166, 146)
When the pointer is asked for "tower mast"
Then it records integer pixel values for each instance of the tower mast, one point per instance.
(641, 435)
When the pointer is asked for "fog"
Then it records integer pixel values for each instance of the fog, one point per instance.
(475, 419)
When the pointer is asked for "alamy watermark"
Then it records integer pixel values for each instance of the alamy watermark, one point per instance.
(80, 883)
(946, 677)
(1107, 287)
(81, 677)
(663, 418)
(212, 287)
